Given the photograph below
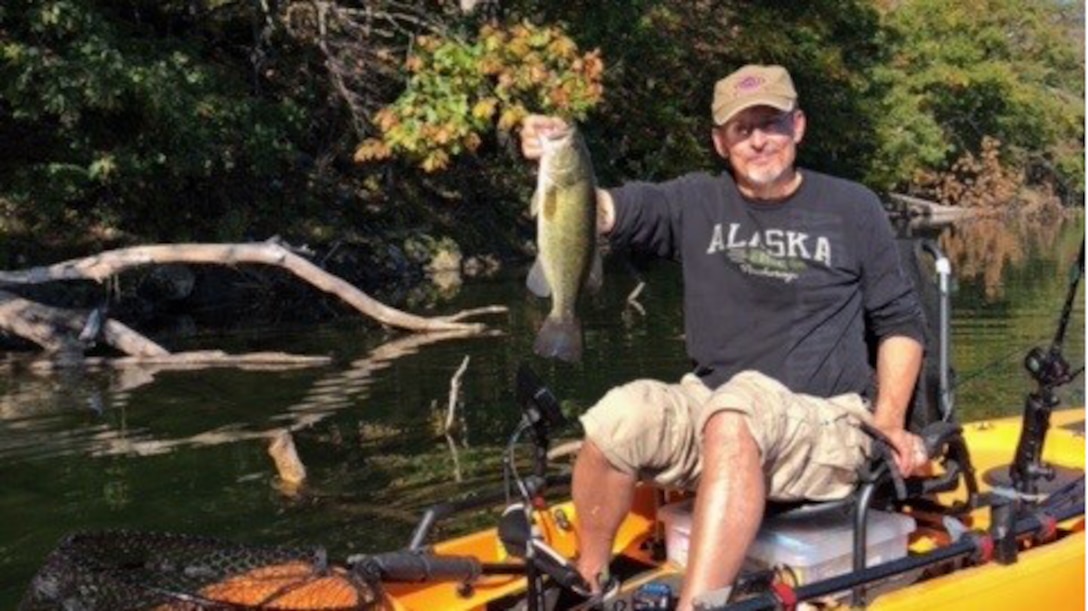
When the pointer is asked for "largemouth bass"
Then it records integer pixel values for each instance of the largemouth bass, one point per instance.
(565, 206)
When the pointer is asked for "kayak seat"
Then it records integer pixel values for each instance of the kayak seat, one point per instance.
(930, 415)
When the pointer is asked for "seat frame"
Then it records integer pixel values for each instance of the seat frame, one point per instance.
(930, 416)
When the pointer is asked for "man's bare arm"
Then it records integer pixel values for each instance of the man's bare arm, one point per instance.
(898, 361)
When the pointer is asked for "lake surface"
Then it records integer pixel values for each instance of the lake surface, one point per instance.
(186, 451)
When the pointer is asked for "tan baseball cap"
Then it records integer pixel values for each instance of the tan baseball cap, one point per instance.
(750, 86)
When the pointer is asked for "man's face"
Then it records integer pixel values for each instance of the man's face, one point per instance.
(761, 144)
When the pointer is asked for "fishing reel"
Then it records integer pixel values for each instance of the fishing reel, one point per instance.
(1050, 370)
(1048, 367)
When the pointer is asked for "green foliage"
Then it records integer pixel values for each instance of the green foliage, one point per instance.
(458, 91)
(964, 71)
(665, 56)
(122, 125)
(179, 120)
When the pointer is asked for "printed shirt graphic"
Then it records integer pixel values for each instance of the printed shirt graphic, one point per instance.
(774, 253)
(785, 288)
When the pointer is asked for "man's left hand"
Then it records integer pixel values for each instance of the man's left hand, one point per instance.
(910, 451)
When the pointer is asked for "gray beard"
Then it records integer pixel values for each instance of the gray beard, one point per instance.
(767, 178)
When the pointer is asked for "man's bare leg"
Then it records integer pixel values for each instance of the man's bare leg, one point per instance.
(728, 506)
(602, 497)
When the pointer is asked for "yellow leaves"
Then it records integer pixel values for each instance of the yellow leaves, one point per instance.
(460, 90)
(518, 47)
(386, 119)
(437, 160)
(511, 117)
(372, 149)
(485, 109)
(489, 65)
(563, 47)
(537, 74)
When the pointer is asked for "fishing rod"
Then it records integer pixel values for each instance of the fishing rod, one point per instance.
(1037, 354)
(1050, 370)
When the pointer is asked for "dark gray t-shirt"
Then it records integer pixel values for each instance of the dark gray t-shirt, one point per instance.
(786, 287)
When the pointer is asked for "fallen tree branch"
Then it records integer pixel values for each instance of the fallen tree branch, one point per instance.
(289, 467)
(107, 264)
(40, 323)
(198, 359)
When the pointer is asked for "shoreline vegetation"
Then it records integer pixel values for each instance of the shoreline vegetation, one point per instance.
(382, 144)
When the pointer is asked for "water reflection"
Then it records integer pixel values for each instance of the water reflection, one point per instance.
(42, 407)
(981, 249)
(1012, 277)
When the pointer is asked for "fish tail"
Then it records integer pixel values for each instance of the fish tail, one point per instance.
(560, 338)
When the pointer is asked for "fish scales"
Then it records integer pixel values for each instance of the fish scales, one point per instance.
(567, 261)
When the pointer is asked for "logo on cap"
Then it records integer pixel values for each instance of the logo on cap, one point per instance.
(749, 83)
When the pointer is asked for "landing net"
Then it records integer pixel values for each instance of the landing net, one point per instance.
(122, 570)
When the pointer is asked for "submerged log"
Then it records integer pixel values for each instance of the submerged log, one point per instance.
(292, 473)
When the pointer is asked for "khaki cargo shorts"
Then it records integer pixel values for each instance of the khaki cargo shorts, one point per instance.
(811, 447)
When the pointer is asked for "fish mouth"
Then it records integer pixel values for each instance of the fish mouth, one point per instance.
(558, 133)
(555, 137)
(558, 157)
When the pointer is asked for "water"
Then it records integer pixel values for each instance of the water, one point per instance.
(185, 451)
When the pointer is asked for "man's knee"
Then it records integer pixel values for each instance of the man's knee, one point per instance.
(750, 406)
(590, 457)
(726, 427)
(641, 428)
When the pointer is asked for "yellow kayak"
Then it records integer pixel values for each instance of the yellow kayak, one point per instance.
(1048, 573)
(998, 522)
(956, 548)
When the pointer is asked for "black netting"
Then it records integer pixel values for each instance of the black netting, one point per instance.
(123, 570)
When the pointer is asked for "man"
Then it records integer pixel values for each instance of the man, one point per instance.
(784, 271)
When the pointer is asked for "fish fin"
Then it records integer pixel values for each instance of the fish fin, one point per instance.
(534, 203)
(595, 277)
(560, 339)
(537, 281)
(549, 203)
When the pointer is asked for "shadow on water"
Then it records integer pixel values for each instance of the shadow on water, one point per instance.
(185, 451)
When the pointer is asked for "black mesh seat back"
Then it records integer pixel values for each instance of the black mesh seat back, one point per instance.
(925, 404)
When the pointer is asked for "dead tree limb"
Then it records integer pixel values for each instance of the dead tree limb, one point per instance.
(107, 264)
(291, 470)
(63, 334)
(39, 324)
(198, 359)
(455, 394)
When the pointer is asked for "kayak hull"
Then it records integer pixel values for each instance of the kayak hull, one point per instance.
(1049, 577)
(1050, 574)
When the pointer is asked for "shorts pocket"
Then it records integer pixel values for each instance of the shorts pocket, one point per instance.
(824, 465)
